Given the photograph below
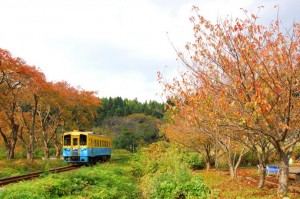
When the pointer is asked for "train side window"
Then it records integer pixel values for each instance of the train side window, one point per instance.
(67, 140)
(82, 139)
(75, 141)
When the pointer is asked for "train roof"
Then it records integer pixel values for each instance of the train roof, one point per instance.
(85, 132)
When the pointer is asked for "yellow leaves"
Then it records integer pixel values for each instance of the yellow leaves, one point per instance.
(244, 71)
(242, 122)
(238, 113)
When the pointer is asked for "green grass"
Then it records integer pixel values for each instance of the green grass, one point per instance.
(18, 167)
(100, 181)
(158, 172)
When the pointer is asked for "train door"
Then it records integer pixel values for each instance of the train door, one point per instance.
(75, 145)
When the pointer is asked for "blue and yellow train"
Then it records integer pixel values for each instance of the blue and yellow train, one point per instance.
(86, 147)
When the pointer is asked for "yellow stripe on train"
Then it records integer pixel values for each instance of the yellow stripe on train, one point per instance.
(88, 139)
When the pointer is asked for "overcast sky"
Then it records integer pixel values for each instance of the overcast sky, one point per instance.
(114, 47)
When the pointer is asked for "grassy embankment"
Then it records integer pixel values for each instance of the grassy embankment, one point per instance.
(20, 166)
(159, 171)
(100, 181)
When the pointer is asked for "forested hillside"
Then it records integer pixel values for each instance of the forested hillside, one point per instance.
(129, 122)
(124, 107)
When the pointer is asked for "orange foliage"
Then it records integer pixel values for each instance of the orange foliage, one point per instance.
(242, 77)
(28, 101)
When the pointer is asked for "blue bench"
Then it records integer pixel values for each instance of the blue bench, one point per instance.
(272, 169)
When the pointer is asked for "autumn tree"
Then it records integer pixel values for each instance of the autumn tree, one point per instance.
(49, 113)
(36, 112)
(80, 106)
(255, 68)
(178, 130)
(35, 87)
(11, 79)
(62, 108)
(201, 112)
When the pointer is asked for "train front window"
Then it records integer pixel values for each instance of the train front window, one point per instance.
(82, 139)
(67, 140)
(75, 141)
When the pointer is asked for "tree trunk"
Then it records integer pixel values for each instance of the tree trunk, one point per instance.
(216, 161)
(10, 148)
(57, 145)
(29, 153)
(31, 136)
(207, 165)
(208, 156)
(262, 179)
(216, 154)
(46, 152)
(11, 140)
(10, 152)
(263, 159)
(57, 152)
(232, 169)
(234, 162)
(283, 175)
(46, 146)
(233, 172)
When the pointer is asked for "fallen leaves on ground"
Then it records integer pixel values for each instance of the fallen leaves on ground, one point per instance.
(245, 186)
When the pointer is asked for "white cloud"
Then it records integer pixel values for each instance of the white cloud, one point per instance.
(115, 46)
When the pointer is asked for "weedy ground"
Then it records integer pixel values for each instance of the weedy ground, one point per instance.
(245, 186)
(22, 166)
(160, 171)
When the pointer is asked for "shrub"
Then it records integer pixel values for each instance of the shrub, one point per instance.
(195, 161)
(167, 174)
(2, 153)
(296, 152)
(249, 159)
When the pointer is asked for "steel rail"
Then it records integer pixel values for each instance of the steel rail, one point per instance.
(6, 181)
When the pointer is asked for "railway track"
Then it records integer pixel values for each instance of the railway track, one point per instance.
(6, 181)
